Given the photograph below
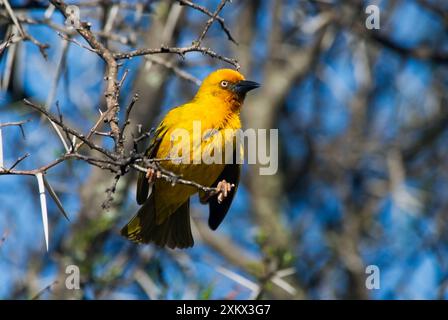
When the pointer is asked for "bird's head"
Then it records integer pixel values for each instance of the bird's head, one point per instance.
(226, 84)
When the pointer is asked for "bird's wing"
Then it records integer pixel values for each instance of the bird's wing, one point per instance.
(175, 118)
(142, 182)
(218, 211)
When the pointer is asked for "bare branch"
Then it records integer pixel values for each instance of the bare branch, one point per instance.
(44, 290)
(70, 130)
(182, 51)
(16, 123)
(210, 14)
(20, 159)
(112, 89)
(14, 18)
(23, 34)
(128, 113)
(6, 43)
(67, 38)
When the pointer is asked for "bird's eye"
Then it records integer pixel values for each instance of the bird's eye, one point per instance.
(224, 84)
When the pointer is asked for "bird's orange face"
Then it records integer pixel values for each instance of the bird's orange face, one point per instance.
(227, 84)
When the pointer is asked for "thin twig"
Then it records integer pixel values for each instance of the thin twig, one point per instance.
(210, 14)
(210, 21)
(112, 90)
(47, 288)
(103, 134)
(16, 123)
(20, 159)
(6, 43)
(7, 73)
(23, 34)
(67, 38)
(14, 18)
(128, 113)
(70, 130)
(123, 78)
(177, 71)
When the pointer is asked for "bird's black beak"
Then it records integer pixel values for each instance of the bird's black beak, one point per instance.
(244, 86)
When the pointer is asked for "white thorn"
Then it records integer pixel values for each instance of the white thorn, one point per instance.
(43, 205)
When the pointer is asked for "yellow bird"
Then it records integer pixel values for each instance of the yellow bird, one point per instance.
(164, 218)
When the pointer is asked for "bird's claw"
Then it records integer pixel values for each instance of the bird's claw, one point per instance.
(152, 174)
(223, 189)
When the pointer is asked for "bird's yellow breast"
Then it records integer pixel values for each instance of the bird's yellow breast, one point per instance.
(194, 132)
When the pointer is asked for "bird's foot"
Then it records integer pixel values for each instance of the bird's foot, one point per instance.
(223, 189)
(152, 174)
